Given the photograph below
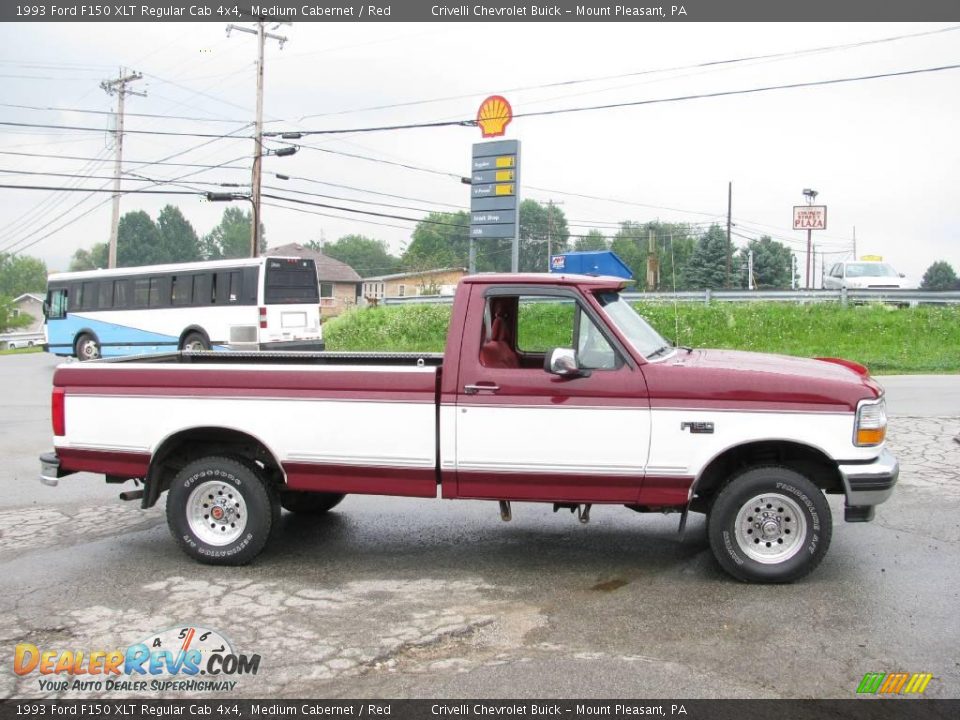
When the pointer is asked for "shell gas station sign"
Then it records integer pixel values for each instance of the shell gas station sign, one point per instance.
(495, 175)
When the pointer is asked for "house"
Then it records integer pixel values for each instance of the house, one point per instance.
(339, 282)
(30, 304)
(425, 282)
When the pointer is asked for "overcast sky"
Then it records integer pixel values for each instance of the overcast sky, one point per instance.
(883, 154)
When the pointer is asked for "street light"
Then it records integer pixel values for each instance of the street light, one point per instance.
(230, 197)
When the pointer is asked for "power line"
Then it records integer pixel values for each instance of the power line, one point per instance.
(625, 104)
(618, 76)
(100, 130)
(111, 113)
(150, 162)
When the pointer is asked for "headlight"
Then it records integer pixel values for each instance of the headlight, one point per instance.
(870, 426)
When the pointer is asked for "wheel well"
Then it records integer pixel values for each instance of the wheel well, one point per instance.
(186, 446)
(190, 330)
(808, 461)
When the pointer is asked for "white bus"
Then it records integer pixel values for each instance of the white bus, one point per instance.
(266, 303)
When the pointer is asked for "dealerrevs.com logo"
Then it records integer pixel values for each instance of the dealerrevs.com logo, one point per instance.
(185, 659)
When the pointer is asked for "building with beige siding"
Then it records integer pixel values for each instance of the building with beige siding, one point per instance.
(339, 283)
(426, 282)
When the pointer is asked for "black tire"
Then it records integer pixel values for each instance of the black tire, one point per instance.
(87, 348)
(769, 530)
(259, 500)
(309, 503)
(195, 342)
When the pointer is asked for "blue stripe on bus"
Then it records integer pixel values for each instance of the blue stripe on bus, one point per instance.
(115, 340)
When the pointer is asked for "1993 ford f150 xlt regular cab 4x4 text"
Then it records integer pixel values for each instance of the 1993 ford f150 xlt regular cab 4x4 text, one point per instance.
(610, 414)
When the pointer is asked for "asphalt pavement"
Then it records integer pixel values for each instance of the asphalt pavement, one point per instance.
(388, 597)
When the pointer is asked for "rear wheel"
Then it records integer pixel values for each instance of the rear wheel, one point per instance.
(309, 503)
(195, 342)
(87, 348)
(769, 525)
(220, 511)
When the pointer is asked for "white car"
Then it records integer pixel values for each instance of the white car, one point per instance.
(854, 274)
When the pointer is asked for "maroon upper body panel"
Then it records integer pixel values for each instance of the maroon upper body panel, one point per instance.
(743, 380)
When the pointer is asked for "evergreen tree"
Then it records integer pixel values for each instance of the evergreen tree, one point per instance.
(707, 267)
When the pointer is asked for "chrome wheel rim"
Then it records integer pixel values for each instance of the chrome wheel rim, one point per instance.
(216, 513)
(89, 350)
(770, 528)
(194, 346)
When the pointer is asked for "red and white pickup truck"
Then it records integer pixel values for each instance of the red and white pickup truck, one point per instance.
(610, 414)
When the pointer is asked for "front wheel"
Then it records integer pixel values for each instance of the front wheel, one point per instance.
(769, 525)
(220, 511)
(87, 348)
(195, 342)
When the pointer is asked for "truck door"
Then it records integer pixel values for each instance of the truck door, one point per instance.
(525, 434)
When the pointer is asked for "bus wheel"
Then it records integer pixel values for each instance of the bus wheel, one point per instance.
(87, 348)
(195, 342)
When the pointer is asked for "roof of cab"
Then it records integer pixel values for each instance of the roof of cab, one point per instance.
(594, 281)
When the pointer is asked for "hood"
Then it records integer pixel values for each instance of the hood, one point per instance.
(716, 378)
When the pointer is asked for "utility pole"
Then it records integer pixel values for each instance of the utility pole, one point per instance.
(550, 206)
(750, 270)
(793, 271)
(729, 225)
(118, 87)
(854, 242)
(262, 36)
(653, 269)
(812, 283)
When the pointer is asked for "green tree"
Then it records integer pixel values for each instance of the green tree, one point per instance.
(629, 243)
(21, 274)
(772, 264)
(593, 240)
(231, 237)
(93, 259)
(178, 239)
(138, 240)
(940, 276)
(440, 240)
(8, 321)
(538, 223)
(367, 256)
(707, 266)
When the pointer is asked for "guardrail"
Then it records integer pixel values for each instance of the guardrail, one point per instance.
(844, 297)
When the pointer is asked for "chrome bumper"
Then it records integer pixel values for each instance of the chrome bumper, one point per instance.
(868, 484)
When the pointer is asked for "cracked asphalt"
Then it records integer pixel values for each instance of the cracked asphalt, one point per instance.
(397, 598)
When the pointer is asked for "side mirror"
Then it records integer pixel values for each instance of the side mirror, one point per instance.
(563, 362)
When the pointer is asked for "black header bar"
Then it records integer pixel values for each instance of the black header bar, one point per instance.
(490, 11)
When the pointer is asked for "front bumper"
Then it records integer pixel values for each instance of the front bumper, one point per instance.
(866, 485)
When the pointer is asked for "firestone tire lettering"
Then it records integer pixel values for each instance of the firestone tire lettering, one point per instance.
(262, 502)
(741, 488)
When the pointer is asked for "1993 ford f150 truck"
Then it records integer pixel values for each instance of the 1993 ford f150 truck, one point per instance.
(551, 389)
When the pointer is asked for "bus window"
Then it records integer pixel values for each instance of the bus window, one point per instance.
(89, 296)
(106, 295)
(159, 292)
(182, 289)
(202, 290)
(290, 281)
(234, 296)
(57, 304)
(121, 294)
(141, 292)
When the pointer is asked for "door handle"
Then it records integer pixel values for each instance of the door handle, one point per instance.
(474, 389)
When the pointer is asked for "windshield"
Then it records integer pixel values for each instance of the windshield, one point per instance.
(870, 270)
(645, 340)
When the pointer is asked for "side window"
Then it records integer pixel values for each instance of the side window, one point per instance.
(141, 292)
(57, 302)
(89, 295)
(182, 290)
(121, 294)
(234, 295)
(593, 350)
(544, 323)
(106, 294)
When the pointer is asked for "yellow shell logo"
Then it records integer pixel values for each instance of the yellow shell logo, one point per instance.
(494, 115)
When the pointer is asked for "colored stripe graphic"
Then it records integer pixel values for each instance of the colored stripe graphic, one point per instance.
(894, 683)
